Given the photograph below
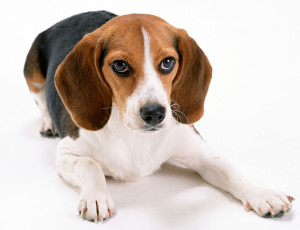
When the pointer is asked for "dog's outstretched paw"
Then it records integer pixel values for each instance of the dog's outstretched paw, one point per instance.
(268, 203)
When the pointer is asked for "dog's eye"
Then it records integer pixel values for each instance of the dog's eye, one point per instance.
(167, 65)
(121, 68)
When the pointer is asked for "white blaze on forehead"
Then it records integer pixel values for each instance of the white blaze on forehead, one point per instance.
(152, 87)
(150, 90)
(148, 65)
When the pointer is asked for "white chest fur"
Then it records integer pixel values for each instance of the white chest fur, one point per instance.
(122, 153)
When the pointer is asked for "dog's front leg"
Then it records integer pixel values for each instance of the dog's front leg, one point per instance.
(84, 172)
(194, 153)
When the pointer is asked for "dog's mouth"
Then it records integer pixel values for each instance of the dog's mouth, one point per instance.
(150, 129)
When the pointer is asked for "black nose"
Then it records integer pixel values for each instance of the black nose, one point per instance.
(153, 114)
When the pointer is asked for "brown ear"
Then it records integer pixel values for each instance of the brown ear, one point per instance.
(81, 86)
(191, 83)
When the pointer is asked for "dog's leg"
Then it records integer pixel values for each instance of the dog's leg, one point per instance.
(36, 82)
(194, 153)
(84, 172)
(36, 85)
(46, 126)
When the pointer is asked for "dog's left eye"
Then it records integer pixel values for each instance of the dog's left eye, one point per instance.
(167, 65)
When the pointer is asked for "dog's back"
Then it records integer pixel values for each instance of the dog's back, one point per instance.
(48, 50)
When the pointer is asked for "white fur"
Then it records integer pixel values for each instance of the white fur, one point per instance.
(151, 90)
(124, 154)
(121, 151)
(40, 98)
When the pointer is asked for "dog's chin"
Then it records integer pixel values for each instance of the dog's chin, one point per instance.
(147, 129)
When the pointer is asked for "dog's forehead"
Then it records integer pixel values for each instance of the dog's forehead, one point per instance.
(135, 19)
(125, 32)
(142, 41)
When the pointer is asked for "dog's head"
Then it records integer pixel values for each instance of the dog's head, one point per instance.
(148, 68)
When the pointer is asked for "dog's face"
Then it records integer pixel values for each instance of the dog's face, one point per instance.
(140, 67)
(148, 68)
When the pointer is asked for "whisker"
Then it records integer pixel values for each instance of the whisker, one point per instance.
(176, 110)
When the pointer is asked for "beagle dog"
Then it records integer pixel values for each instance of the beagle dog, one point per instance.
(123, 93)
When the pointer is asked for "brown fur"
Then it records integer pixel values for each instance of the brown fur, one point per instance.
(162, 46)
(192, 81)
(81, 86)
(32, 72)
(128, 47)
(88, 89)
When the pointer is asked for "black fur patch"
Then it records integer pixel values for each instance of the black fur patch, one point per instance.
(52, 46)
(68, 127)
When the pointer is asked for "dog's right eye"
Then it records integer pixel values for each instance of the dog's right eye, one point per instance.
(121, 68)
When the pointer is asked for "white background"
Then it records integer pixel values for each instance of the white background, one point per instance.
(252, 118)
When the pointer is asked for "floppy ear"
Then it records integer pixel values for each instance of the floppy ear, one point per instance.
(191, 83)
(81, 86)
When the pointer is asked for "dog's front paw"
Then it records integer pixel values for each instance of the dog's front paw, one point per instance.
(96, 205)
(267, 203)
